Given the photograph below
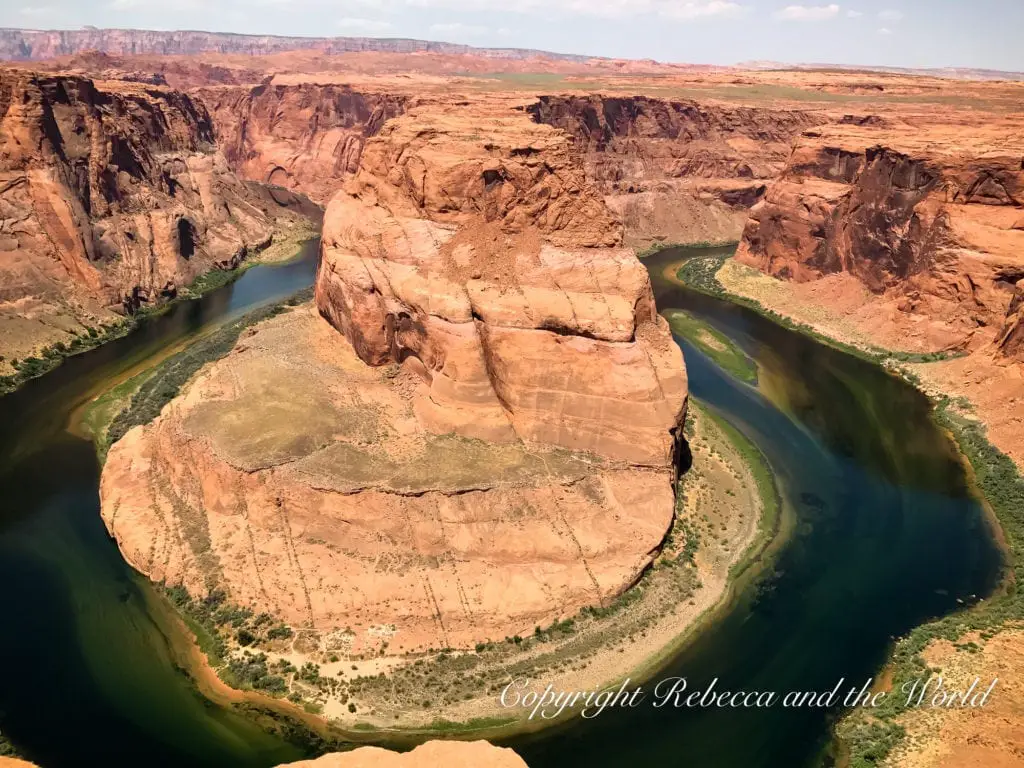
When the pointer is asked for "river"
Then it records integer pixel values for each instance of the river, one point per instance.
(887, 535)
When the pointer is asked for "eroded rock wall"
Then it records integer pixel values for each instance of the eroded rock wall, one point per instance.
(306, 137)
(676, 171)
(112, 195)
(488, 445)
(918, 217)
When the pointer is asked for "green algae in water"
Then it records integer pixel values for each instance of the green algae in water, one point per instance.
(713, 343)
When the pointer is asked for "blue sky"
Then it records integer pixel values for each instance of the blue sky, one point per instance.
(912, 33)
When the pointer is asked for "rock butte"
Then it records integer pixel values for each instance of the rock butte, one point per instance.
(489, 446)
(451, 754)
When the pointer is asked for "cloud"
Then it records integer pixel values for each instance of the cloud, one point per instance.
(42, 10)
(702, 10)
(351, 24)
(885, 31)
(458, 29)
(808, 12)
(165, 5)
(854, 14)
(890, 15)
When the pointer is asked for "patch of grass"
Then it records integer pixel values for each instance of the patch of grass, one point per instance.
(99, 415)
(713, 343)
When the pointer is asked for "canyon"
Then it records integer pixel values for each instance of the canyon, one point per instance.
(473, 431)
(918, 216)
(906, 237)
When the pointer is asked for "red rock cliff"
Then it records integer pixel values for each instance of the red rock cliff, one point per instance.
(916, 215)
(307, 137)
(471, 241)
(676, 171)
(111, 195)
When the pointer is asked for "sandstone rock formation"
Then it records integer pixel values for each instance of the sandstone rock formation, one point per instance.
(111, 196)
(1011, 337)
(306, 137)
(303, 483)
(677, 171)
(471, 243)
(433, 754)
(489, 446)
(934, 223)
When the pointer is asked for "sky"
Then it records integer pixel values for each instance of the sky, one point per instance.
(907, 33)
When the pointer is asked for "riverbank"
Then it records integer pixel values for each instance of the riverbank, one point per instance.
(713, 343)
(288, 238)
(138, 399)
(728, 524)
(979, 385)
(872, 740)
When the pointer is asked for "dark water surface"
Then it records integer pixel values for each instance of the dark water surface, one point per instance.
(88, 677)
(886, 536)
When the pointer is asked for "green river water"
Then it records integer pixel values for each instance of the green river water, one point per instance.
(887, 535)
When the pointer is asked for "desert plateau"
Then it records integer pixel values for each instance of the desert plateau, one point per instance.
(351, 383)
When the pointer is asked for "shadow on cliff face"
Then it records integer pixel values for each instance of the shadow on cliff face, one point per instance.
(683, 458)
(282, 197)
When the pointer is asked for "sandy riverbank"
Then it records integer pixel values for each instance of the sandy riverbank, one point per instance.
(840, 308)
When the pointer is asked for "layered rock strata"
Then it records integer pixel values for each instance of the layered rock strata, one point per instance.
(36, 44)
(112, 196)
(677, 171)
(932, 224)
(486, 446)
(482, 256)
(307, 137)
